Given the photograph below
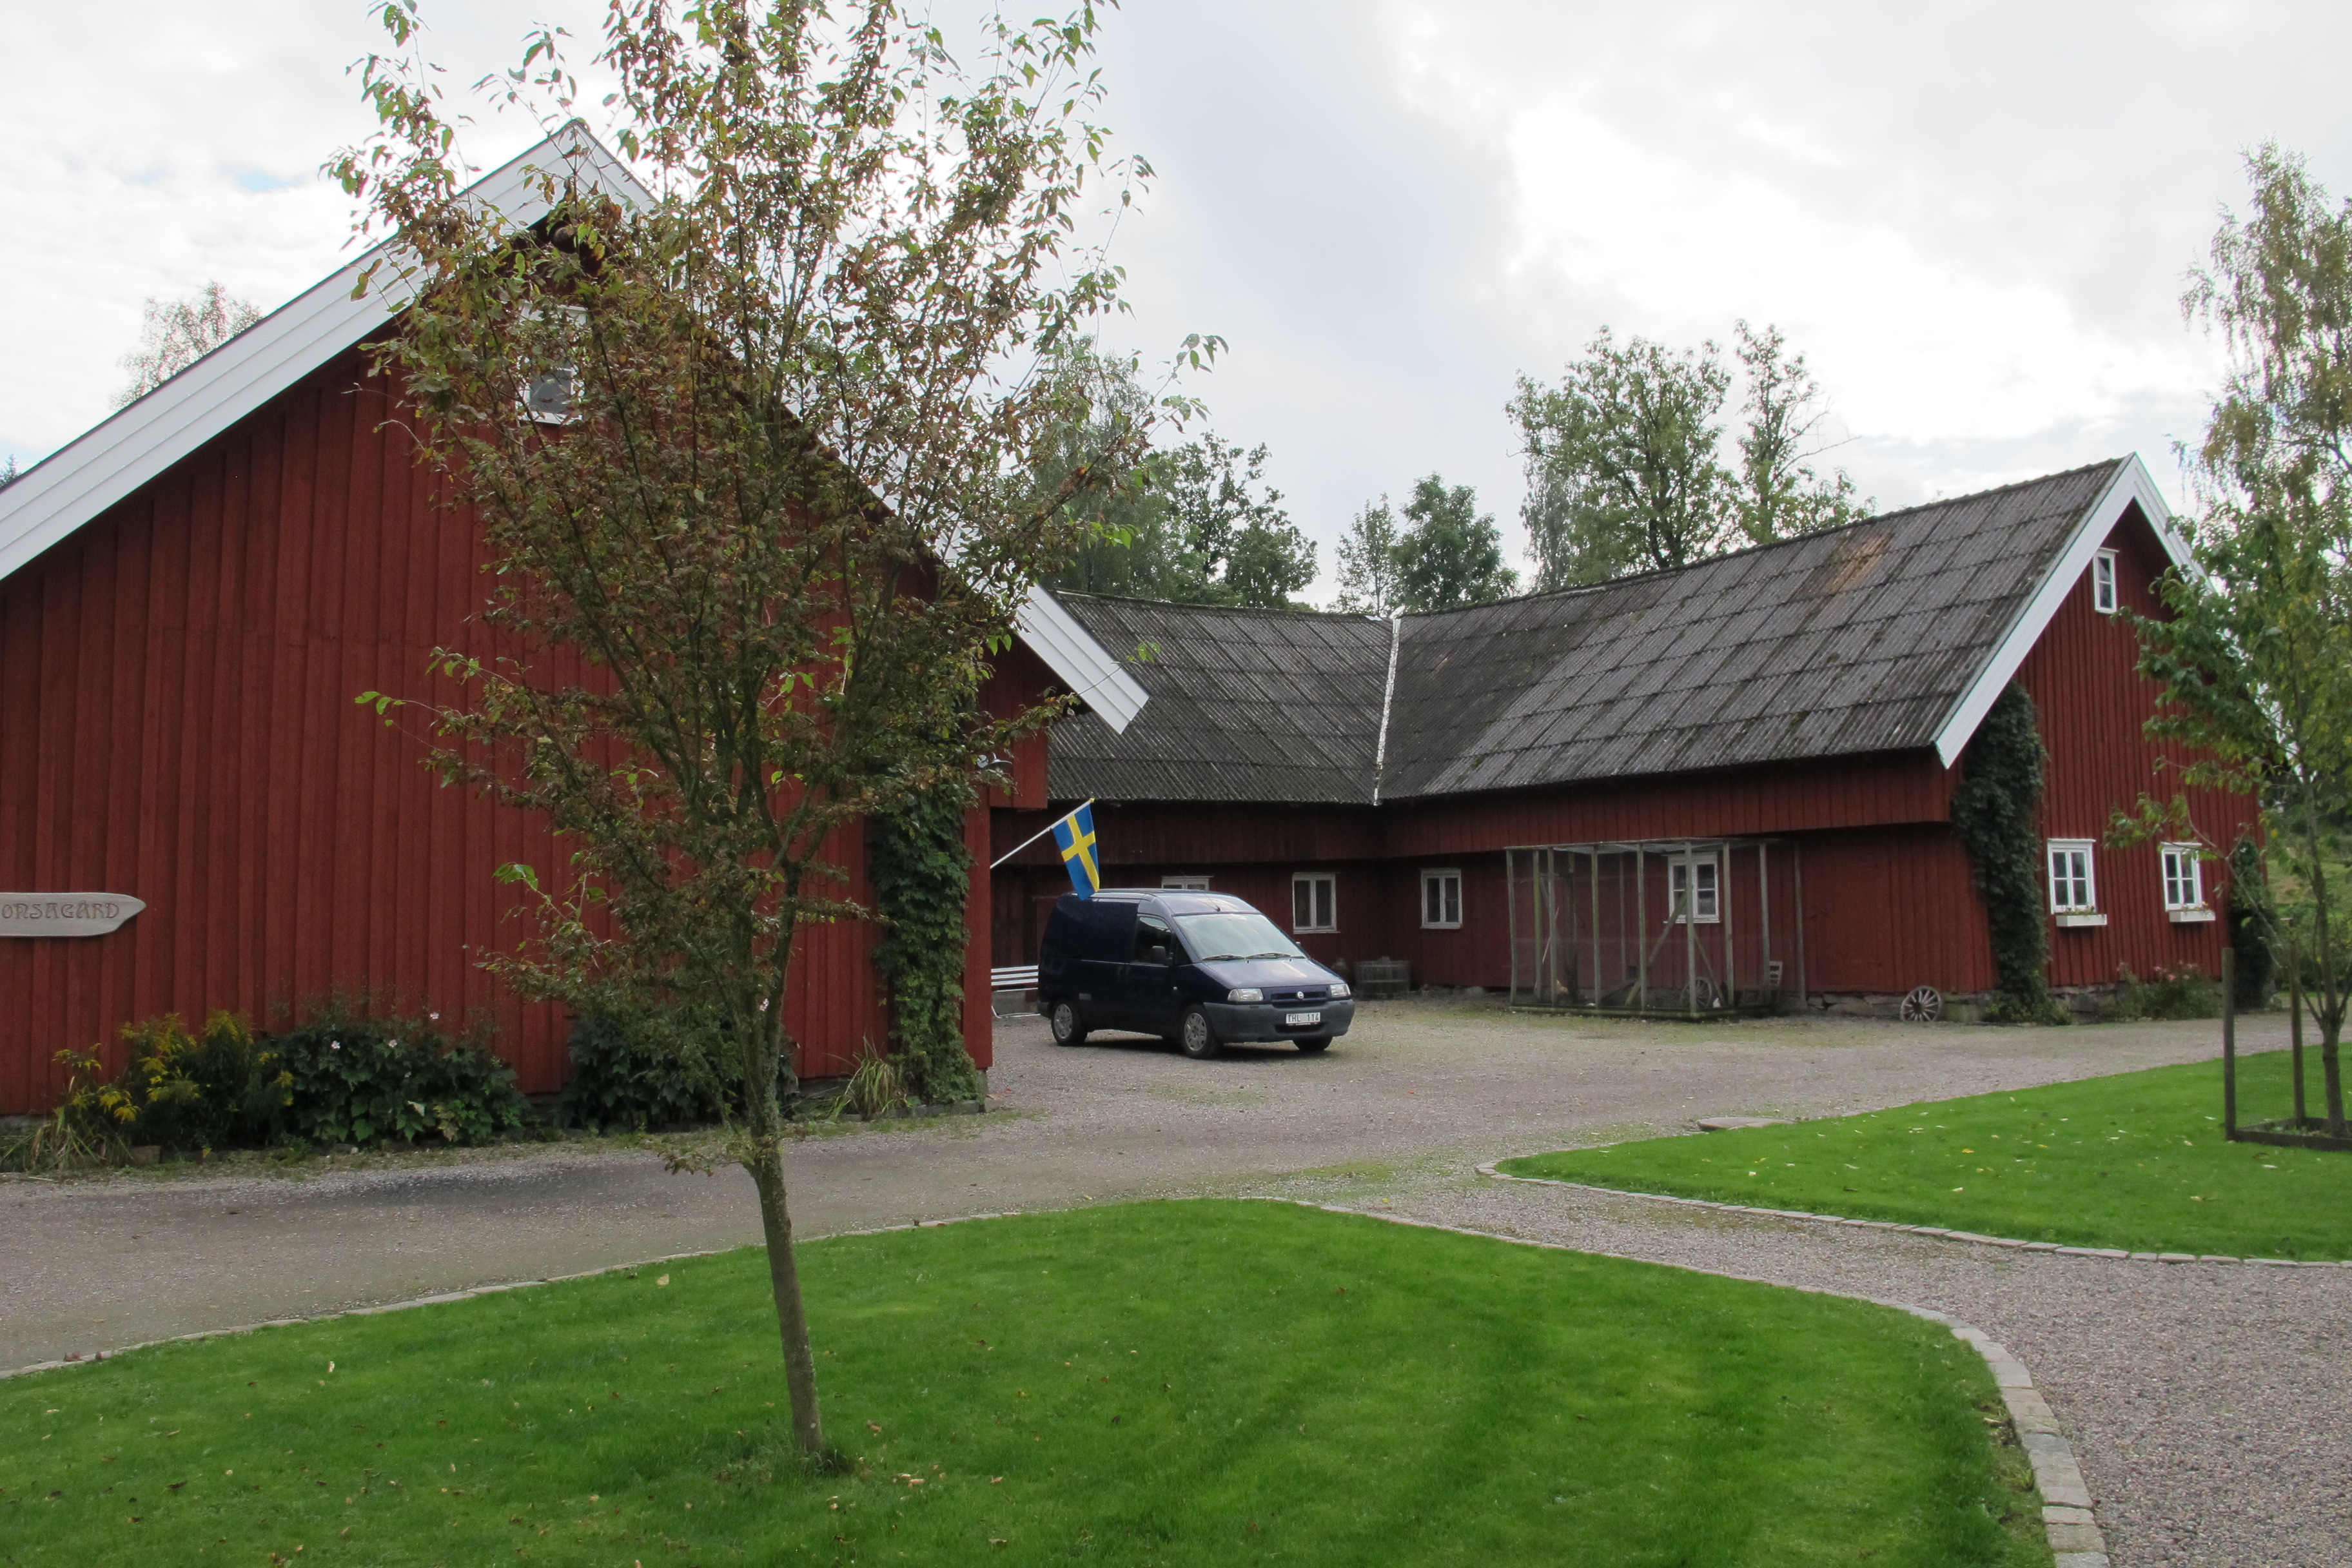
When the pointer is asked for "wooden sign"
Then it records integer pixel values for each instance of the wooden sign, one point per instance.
(65, 914)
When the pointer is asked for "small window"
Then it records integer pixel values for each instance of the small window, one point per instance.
(2071, 890)
(1440, 899)
(1185, 884)
(2103, 581)
(1705, 906)
(1314, 901)
(2184, 877)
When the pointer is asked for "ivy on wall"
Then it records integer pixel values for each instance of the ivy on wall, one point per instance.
(1996, 811)
(922, 878)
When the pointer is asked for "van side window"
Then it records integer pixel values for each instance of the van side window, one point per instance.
(1151, 931)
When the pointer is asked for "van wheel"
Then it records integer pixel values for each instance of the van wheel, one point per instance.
(1194, 1037)
(1313, 1043)
(1068, 1031)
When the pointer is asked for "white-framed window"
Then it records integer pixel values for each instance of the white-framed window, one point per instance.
(548, 391)
(1440, 899)
(2184, 877)
(2103, 581)
(1695, 889)
(1185, 884)
(2072, 891)
(1314, 901)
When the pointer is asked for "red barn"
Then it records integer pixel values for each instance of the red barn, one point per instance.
(1529, 796)
(191, 595)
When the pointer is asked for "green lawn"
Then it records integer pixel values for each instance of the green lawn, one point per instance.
(1187, 1382)
(2134, 1160)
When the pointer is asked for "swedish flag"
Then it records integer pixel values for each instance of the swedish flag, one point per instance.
(1075, 835)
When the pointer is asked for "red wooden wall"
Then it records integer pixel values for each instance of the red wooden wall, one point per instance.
(176, 712)
(2093, 704)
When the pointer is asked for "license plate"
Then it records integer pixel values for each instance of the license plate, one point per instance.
(1300, 1020)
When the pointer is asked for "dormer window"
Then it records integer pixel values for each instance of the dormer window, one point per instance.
(2103, 581)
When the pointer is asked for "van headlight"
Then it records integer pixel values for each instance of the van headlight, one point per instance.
(1246, 994)
(1339, 992)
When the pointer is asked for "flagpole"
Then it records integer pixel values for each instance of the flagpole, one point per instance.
(1041, 833)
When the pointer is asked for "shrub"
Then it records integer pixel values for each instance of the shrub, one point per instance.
(357, 1079)
(640, 1075)
(217, 1090)
(2182, 992)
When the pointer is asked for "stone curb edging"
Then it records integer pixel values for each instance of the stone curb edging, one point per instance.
(2066, 1510)
(2067, 1513)
(2050, 1247)
(444, 1297)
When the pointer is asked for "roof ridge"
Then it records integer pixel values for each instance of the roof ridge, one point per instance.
(1191, 604)
(1657, 573)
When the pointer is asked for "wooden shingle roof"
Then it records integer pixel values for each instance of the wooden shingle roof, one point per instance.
(1893, 634)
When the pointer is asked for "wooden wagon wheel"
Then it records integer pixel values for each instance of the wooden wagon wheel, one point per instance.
(1924, 1005)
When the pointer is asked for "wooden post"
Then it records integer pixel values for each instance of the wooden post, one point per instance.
(1690, 925)
(1764, 923)
(2229, 1044)
(1641, 931)
(2294, 1029)
(1511, 915)
(1797, 892)
(1599, 985)
(1723, 908)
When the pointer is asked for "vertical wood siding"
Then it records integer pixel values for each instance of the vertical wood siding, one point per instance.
(177, 717)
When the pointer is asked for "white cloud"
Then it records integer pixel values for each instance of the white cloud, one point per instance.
(1974, 220)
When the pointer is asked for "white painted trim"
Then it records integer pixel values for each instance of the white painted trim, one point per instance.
(2132, 483)
(79, 480)
(1083, 664)
(1434, 874)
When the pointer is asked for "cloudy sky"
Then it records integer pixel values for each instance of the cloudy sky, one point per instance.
(1975, 219)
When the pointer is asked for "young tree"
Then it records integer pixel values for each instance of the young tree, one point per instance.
(176, 333)
(1449, 553)
(768, 516)
(2254, 662)
(1777, 494)
(1194, 523)
(1368, 562)
(1624, 463)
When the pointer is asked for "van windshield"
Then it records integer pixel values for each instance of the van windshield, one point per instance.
(1235, 935)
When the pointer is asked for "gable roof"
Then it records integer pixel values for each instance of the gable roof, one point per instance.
(74, 485)
(1893, 634)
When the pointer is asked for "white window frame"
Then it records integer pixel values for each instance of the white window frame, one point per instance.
(1445, 883)
(1329, 900)
(1708, 901)
(2107, 596)
(2065, 881)
(1192, 884)
(2182, 866)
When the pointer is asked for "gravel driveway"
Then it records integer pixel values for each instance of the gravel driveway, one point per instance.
(2203, 1399)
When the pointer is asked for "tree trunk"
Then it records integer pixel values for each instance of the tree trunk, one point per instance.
(784, 1276)
(764, 1044)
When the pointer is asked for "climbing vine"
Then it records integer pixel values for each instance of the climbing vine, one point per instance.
(922, 879)
(1994, 811)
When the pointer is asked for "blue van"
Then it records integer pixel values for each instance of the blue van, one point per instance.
(1201, 969)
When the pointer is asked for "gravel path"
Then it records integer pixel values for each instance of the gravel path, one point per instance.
(2201, 1399)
